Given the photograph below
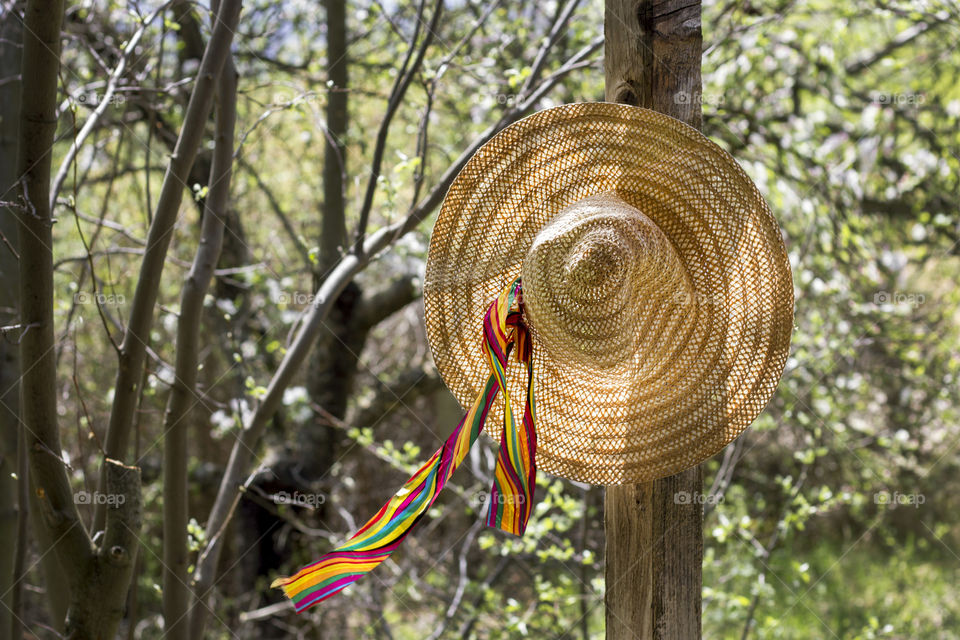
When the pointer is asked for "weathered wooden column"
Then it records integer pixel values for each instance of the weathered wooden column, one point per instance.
(654, 541)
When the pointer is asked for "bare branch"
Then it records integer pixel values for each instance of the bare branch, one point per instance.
(183, 396)
(558, 29)
(137, 335)
(93, 277)
(902, 39)
(333, 224)
(404, 78)
(345, 270)
(105, 101)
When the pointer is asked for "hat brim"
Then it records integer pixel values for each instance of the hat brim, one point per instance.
(720, 352)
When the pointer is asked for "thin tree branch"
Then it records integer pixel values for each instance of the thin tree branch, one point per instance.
(902, 39)
(384, 302)
(93, 277)
(342, 273)
(105, 101)
(137, 335)
(559, 28)
(333, 225)
(404, 78)
(454, 606)
(765, 551)
(183, 396)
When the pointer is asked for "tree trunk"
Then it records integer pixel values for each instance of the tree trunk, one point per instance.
(98, 574)
(334, 362)
(654, 550)
(10, 35)
(99, 589)
(334, 227)
(55, 513)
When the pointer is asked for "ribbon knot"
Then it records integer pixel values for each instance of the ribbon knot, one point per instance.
(511, 496)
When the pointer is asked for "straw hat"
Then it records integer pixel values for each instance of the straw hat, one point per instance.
(656, 287)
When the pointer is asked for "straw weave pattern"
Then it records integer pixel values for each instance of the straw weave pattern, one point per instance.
(656, 286)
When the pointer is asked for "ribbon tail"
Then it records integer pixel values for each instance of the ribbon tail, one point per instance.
(515, 480)
(384, 532)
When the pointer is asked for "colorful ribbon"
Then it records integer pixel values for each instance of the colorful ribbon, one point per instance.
(511, 497)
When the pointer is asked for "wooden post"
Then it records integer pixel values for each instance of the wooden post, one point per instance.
(654, 531)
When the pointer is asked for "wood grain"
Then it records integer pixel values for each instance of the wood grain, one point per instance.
(654, 531)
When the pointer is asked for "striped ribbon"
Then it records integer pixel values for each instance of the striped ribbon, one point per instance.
(511, 497)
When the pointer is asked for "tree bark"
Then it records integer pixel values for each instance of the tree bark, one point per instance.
(334, 362)
(98, 574)
(10, 34)
(41, 62)
(99, 591)
(333, 236)
(654, 551)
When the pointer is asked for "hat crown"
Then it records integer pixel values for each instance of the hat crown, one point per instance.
(596, 277)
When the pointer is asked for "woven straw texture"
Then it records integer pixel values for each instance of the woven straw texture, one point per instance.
(655, 283)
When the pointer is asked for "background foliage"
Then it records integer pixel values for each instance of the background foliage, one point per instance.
(834, 516)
